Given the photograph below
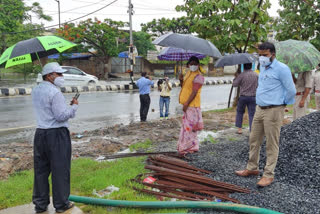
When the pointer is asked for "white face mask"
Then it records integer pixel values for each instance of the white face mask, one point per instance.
(58, 81)
(193, 67)
(264, 61)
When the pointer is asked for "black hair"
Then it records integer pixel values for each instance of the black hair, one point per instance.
(143, 74)
(319, 64)
(44, 77)
(247, 66)
(193, 59)
(267, 46)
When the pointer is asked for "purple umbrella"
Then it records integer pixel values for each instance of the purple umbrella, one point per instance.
(178, 54)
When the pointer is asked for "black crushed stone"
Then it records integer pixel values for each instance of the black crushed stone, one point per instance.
(297, 179)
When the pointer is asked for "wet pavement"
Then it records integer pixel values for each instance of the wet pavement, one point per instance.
(99, 109)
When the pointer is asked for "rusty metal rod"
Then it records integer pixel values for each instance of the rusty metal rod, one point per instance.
(202, 179)
(165, 194)
(178, 163)
(174, 167)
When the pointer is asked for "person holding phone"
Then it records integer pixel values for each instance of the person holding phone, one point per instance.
(52, 142)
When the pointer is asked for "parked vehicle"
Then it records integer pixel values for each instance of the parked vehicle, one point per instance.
(74, 76)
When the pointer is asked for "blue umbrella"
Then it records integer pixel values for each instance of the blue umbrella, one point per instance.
(178, 54)
(124, 54)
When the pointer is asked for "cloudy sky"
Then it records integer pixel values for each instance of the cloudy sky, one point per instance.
(144, 10)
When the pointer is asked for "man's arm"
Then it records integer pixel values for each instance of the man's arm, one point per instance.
(237, 80)
(168, 85)
(288, 84)
(60, 109)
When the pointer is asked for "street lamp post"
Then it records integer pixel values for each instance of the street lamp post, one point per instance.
(59, 11)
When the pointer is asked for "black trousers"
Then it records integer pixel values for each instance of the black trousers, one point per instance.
(144, 106)
(52, 154)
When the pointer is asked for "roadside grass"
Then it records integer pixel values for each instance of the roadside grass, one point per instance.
(312, 103)
(87, 175)
(145, 146)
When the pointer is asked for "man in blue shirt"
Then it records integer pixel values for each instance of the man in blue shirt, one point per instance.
(144, 89)
(275, 90)
(52, 143)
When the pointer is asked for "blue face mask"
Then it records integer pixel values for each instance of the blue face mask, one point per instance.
(264, 61)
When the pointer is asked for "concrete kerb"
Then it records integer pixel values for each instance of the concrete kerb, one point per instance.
(4, 92)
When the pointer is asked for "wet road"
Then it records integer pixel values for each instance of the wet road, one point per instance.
(100, 109)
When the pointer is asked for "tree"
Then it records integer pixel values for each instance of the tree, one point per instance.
(101, 36)
(13, 14)
(226, 23)
(142, 41)
(163, 26)
(300, 20)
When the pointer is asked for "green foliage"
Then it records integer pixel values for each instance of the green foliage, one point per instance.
(142, 41)
(86, 175)
(226, 23)
(145, 146)
(299, 20)
(163, 26)
(211, 139)
(13, 15)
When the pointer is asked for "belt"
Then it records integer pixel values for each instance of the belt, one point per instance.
(272, 106)
(165, 96)
(299, 93)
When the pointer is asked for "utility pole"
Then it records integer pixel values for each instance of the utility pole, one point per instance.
(59, 11)
(130, 11)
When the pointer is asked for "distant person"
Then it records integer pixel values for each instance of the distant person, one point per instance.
(144, 84)
(275, 90)
(165, 87)
(248, 83)
(52, 142)
(303, 83)
(316, 86)
(192, 122)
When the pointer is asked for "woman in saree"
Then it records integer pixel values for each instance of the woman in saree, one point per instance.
(189, 97)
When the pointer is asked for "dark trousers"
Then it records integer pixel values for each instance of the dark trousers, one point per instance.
(144, 106)
(52, 154)
(243, 102)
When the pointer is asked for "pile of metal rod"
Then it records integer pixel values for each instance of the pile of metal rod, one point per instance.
(175, 178)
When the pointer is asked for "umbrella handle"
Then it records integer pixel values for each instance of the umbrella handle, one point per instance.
(39, 60)
(230, 96)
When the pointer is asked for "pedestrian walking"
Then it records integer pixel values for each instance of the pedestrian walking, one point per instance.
(165, 88)
(144, 84)
(248, 83)
(275, 90)
(52, 142)
(316, 86)
(303, 82)
(189, 97)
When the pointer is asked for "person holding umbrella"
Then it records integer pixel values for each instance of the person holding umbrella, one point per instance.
(52, 142)
(189, 97)
(275, 90)
(248, 83)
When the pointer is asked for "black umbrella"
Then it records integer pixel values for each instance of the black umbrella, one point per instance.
(235, 59)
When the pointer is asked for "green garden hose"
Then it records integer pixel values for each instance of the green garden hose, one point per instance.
(172, 204)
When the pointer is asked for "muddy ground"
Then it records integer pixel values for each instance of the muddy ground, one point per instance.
(164, 134)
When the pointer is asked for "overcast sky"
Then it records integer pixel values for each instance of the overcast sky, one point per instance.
(145, 10)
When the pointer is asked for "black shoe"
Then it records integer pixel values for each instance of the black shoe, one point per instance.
(69, 206)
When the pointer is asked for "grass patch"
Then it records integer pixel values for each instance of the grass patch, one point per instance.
(312, 103)
(232, 139)
(210, 138)
(86, 175)
(220, 110)
(145, 146)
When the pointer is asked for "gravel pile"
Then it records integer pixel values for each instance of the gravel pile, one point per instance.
(297, 179)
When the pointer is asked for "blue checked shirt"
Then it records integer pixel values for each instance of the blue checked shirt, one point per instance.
(275, 85)
(50, 106)
(144, 85)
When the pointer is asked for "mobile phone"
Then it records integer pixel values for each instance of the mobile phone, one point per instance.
(76, 96)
